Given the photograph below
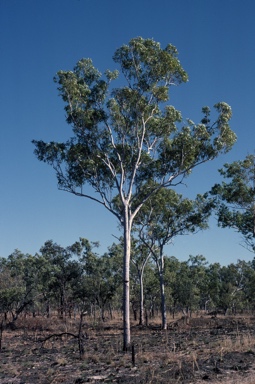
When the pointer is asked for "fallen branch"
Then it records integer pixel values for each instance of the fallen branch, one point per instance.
(79, 336)
(57, 335)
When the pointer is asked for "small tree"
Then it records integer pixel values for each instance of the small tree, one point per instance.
(19, 287)
(126, 136)
(139, 258)
(64, 272)
(12, 290)
(100, 280)
(163, 217)
(231, 287)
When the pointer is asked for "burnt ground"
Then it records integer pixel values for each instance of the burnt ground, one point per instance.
(197, 350)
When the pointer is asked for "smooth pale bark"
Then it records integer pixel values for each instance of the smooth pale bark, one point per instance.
(140, 272)
(141, 316)
(160, 266)
(163, 301)
(126, 283)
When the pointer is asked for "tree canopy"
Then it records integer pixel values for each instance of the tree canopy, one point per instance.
(122, 137)
(235, 199)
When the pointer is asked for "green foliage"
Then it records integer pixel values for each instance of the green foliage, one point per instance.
(12, 290)
(188, 283)
(60, 273)
(101, 276)
(77, 276)
(19, 283)
(167, 214)
(235, 199)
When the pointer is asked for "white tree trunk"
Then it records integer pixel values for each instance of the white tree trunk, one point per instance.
(141, 319)
(160, 265)
(126, 272)
(163, 300)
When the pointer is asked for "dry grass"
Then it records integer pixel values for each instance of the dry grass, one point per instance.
(204, 349)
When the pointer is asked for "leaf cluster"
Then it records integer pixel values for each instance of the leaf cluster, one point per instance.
(235, 198)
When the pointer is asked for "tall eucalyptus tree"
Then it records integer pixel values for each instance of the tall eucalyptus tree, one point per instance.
(125, 136)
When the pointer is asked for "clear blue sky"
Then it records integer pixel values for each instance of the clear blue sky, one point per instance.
(215, 40)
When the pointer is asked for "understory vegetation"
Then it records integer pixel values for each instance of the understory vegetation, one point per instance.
(200, 349)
